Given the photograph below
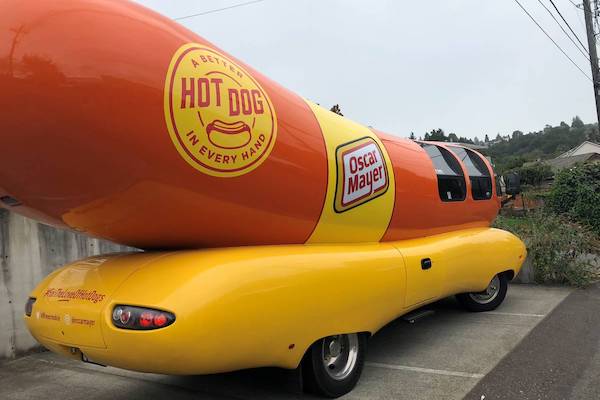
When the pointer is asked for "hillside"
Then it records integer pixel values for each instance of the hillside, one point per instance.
(511, 152)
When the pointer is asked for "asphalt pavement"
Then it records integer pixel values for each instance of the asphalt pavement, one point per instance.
(559, 359)
(448, 355)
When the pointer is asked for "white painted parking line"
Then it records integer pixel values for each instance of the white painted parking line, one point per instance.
(425, 370)
(515, 314)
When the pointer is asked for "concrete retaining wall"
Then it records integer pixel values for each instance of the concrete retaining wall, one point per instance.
(28, 252)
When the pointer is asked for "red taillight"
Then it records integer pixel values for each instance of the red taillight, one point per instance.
(160, 320)
(146, 319)
(130, 317)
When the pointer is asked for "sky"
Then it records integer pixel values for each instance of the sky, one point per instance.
(468, 67)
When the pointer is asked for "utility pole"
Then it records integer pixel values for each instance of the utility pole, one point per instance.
(591, 37)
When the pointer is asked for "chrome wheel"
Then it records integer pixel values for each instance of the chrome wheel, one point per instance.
(489, 294)
(339, 355)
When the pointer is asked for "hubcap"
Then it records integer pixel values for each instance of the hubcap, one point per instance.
(489, 294)
(339, 355)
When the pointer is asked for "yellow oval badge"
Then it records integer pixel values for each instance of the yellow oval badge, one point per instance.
(220, 119)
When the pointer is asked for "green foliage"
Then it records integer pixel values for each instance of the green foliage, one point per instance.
(559, 249)
(517, 134)
(509, 163)
(576, 192)
(534, 174)
(577, 122)
(438, 135)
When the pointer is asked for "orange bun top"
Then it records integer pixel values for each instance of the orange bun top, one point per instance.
(120, 123)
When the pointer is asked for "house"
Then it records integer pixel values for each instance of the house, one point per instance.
(559, 163)
(584, 148)
(584, 153)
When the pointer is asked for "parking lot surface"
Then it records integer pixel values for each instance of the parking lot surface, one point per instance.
(441, 356)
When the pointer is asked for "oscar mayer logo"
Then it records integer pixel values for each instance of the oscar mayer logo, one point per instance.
(361, 174)
(219, 118)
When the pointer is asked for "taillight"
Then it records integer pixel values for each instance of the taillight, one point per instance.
(29, 306)
(140, 318)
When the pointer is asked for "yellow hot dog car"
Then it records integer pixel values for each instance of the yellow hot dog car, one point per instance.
(208, 311)
(276, 232)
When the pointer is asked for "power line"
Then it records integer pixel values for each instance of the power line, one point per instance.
(218, 9)
(565, 32)
(568, 26)
(549, 37)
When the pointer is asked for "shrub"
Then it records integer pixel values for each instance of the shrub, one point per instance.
(559, 249)
(576, 192)
(534, 174)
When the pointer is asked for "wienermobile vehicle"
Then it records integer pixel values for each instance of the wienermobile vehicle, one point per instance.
(310, 231)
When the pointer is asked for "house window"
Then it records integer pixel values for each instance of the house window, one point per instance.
(479, 174)
(451, 181)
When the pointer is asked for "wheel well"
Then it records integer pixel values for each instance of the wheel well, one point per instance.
(510, 274)
(367, 334)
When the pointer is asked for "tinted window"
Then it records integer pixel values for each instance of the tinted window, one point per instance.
(451, 181)
(479, 174)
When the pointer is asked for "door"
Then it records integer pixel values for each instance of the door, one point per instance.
(424, 272)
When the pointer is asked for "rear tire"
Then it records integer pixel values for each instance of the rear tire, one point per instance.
(332, 366)
(487, 300)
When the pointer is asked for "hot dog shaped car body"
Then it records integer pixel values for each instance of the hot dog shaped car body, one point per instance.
(312, 231)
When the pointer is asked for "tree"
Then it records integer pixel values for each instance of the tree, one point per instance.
(438, 135)
(498, 138)
(487, 139)
(336, 109)
(593, 134)
(534, 174)
(576, 192)
(452, 137)
(516, 135)
(577, 122)
(412, 136)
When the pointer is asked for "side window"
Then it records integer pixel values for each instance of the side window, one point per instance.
(479, 174)
(451, 181)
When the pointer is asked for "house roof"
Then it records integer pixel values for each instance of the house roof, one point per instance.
(567, 162)
(574, 149)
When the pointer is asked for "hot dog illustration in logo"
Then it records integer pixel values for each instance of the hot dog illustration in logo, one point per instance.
(228, 136)
(220, 119)
(361, 174)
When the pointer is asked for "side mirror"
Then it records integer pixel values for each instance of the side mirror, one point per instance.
(513, 183)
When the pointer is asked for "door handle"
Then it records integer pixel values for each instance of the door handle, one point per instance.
(426, 263)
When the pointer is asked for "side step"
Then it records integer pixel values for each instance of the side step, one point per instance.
(415, 315)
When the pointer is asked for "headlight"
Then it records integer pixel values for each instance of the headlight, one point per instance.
(140, 318)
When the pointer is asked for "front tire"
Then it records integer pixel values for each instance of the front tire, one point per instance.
(332, 366)
(487, 300)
